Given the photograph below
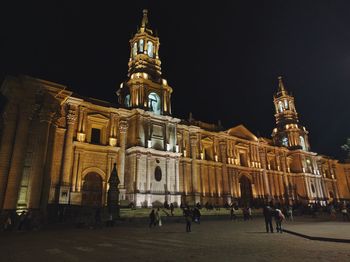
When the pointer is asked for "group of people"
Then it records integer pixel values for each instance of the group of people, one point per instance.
(191, 215)
(270, 212)
(155, 218)
(13, 221)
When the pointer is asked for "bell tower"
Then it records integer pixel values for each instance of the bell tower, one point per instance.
(288, 131)
(145, 88)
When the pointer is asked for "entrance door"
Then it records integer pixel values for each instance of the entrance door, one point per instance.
(246, 191)
(92, 190)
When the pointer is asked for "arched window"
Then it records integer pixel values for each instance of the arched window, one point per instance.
(127, 100)
(312, 188)
(134, 50)
(280, 106)
(154, 103)
(158, 174)
(286, 104)
(285, 141)
(141, 45)
(302, 143)
(150, 49)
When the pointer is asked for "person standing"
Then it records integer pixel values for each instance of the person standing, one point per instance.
(22, 220)
(188, 217)
(197, 215)
(8, 223)
(268, 218)
(279, 217)
(290, 213)
(158, 217)
(250, 216)
(152, 219)
(172, 209)
(344, 211)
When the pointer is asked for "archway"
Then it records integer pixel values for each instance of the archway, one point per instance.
(92, 190)
(154, 103)
(246, 191)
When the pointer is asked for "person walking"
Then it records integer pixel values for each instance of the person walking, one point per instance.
(290, 213)
(188, 217)
(152, 219)
(279, 217)
(250, 216)
(158, 217)
(268, 218)
(345, 213)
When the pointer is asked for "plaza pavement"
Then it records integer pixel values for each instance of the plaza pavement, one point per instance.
(313, 229)
(213, 240)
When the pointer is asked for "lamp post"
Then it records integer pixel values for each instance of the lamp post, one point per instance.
(113, 194)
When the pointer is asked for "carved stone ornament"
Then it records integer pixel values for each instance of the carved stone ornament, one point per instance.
(123, 126)
(71, 116)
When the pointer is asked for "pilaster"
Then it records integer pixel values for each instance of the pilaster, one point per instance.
(7, 144)
(18, 155)
(67, 156)
(37, 172)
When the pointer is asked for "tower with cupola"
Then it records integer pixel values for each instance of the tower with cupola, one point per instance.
(288, 132)
(145, 88)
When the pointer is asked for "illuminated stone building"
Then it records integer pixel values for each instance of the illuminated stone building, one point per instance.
(59, 148)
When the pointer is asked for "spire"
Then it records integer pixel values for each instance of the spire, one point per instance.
(144, 23)
(281, 89)
(145, 18)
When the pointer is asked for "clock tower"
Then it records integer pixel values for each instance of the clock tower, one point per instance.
(288, 132)
(145, 88)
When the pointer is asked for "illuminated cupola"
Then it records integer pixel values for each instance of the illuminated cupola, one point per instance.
(145, 88)
(288, 131)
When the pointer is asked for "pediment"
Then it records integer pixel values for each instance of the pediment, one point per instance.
(207, 140)
(242, 132)
(98, 117)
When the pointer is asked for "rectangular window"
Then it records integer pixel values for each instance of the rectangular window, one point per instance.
(95, 135)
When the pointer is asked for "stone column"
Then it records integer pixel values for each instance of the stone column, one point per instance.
(67, 157)
(262, 154)
(307, 191)
(167, 177)
(18, 156)
(148, 178)
(6, 147)
(257, 185)
(123, 127)
(226, 183)
(37, 172)
(75, 171)
(138, 171)
(194, 142)
(79, 172)
(177, 176)
(261, 182)
(235, 182)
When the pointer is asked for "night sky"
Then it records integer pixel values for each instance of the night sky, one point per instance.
(222, 58)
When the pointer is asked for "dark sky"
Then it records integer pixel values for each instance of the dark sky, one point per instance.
(222, 58)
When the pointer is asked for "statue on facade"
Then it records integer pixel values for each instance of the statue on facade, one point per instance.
(346, 149)
(113, 194)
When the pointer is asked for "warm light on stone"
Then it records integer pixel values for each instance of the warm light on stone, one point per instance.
(81, 137)
(112, 141)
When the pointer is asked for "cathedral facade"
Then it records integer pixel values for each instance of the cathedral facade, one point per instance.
(59, 148)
